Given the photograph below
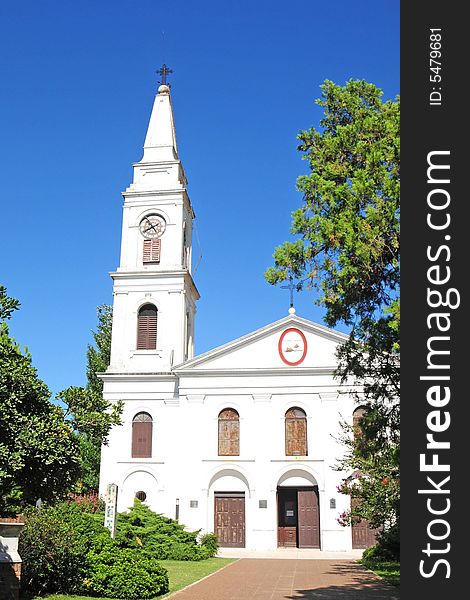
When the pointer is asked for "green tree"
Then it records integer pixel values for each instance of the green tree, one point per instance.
(347, 251)
(98, 356)
(90, 416)
(38, 451)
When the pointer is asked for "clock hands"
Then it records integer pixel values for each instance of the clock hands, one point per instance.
(152, 226)
(148, 226)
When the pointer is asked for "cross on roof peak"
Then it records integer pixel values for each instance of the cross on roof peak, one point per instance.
(291, 286)
(164, 71)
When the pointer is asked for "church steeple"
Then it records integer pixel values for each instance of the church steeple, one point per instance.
(160, 142)
(153, 283)
(160, 168)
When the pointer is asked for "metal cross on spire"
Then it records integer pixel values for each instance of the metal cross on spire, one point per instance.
(292, 287)
(164, 71)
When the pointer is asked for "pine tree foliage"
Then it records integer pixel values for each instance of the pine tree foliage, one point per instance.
(346, 250)
(88, 413)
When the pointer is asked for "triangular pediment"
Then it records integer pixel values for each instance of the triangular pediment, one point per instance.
(290, 343)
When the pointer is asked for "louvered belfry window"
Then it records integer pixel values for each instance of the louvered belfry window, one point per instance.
(142, 425)
(296, 432)
(151, 251)
(147, 328)
(229, 432)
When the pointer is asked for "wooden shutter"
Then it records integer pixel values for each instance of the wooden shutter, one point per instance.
(296, 432)
(142, 426)
(229, 433)
(151, 251)
(147, 328)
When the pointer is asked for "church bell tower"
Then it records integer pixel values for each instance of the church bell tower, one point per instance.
(154, 293)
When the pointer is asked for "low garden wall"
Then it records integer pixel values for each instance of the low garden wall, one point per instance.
(10, 560)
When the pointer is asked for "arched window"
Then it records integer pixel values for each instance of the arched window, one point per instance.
(358, 414)
(142, 425)
(296, 432)
(229, 432)
(147, 328)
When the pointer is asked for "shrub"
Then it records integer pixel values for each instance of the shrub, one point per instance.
(181, 551)
(211, 542)
(123, 573)
(387, 547)
(158, 536)
(88, 502)
(53, 545)
(66, 549)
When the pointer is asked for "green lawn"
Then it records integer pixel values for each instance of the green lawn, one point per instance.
(180, 573)
(390, 571)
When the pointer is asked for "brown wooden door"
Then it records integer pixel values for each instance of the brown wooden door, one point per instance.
(287, 518)
(362, 535)
(309, 519)
(229, 521)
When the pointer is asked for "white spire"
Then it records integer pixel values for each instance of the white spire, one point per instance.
(160, 142)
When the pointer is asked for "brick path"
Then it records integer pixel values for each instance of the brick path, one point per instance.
(277, 579)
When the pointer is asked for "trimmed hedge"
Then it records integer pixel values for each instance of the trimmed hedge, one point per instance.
(123, 573)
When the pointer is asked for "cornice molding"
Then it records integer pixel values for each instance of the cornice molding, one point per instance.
(155, 275)
(136, 376)
(257, 372)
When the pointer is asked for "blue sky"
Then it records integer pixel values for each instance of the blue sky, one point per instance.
(78, 82)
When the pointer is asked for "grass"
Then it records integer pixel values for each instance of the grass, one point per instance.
(388, 570)
(180, 573)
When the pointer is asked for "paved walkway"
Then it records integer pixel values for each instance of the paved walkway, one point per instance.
(281, 579)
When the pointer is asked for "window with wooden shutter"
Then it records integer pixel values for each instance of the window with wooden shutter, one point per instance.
(296, 432)
(229, 433)
(142, 426)
(151, 252)
(147, 328)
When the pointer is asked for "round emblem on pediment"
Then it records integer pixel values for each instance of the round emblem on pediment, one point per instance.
(292, 346)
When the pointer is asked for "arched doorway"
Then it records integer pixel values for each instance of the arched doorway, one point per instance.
(298, 510)
(229, 488)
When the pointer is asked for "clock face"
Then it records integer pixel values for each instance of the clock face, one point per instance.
(152, 226)
(292, 346)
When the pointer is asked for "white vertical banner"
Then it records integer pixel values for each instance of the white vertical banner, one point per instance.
(110, 511)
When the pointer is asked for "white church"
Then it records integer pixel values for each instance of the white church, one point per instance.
(240, 440)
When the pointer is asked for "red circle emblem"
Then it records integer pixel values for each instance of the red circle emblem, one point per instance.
(292, 346)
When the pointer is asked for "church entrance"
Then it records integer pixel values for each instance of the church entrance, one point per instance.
(362, 535)
(229, 519)
(298, 517)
